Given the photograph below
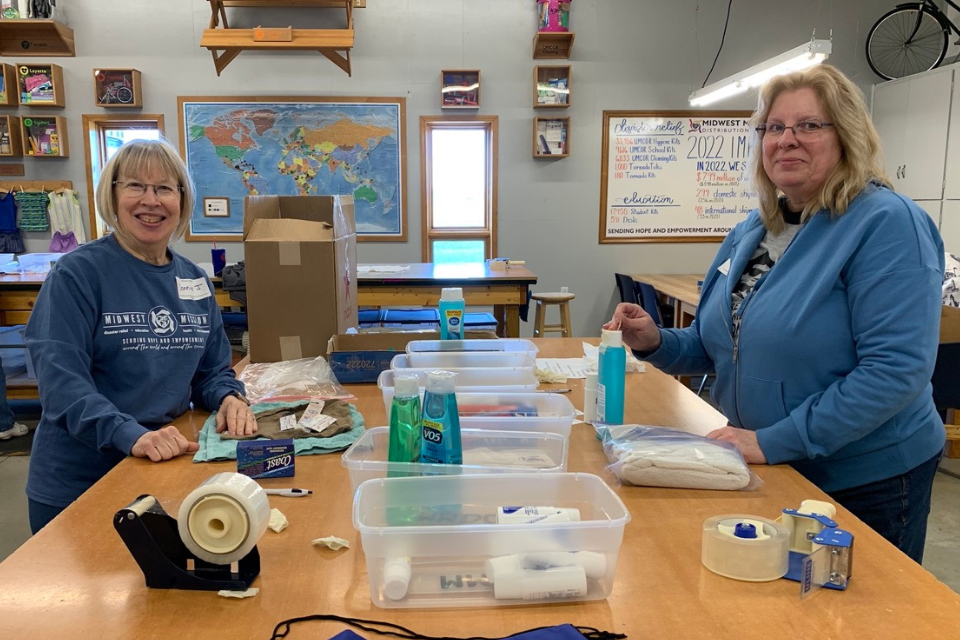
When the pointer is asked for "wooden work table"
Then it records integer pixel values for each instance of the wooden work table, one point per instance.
(418, 285)
(679, 290)
(76, 578)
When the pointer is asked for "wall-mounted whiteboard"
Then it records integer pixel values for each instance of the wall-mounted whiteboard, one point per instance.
(674, 176)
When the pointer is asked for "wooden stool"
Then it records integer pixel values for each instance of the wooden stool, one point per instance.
(544, 299)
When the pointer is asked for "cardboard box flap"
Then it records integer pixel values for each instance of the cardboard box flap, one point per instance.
(336, 211)
(279, 230)
(949, 325)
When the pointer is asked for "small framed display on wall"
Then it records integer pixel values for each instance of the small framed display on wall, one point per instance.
(460, 89)
(117, 88)
(216, 207)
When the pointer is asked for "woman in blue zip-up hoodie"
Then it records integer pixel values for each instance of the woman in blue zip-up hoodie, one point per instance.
(820, 313)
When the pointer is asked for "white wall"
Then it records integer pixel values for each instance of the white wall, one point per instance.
(628, 54)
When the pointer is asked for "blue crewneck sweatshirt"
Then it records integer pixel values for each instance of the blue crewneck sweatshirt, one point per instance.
(120, 346)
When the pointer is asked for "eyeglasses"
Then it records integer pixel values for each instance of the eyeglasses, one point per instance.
(135, 189)
(802, 129)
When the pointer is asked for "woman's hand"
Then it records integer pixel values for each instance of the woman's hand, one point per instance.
(162, 444)
(640, 332)
(236, 417)
(744, 439)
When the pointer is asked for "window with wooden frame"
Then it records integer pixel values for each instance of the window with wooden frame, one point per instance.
(458, 188)
(102, 136)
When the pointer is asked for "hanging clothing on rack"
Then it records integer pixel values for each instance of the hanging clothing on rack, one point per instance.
(33, 210)
(66, 220)
(10, 239)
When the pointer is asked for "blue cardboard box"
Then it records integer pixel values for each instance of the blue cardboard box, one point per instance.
(360, 357)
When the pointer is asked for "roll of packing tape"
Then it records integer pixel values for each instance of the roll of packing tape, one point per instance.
(745, 547)
(222, 519)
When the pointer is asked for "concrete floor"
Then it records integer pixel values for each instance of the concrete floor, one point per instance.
(941, 557)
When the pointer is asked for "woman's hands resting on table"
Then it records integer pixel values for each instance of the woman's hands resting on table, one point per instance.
(744, 439)
(236, 417)
(162, 444)
(640, 332)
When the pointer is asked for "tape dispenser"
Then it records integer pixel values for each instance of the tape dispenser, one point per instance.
(821, 554)
(212, 547)
(803, 544)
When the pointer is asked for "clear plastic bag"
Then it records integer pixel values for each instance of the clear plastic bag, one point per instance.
(662, 457)
(292, 380)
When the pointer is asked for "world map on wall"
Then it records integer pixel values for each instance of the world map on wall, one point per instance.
(308, 148)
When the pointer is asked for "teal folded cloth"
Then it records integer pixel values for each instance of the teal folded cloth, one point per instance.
(213, 448)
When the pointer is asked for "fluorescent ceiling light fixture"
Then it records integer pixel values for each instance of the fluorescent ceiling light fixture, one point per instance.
(806, 55)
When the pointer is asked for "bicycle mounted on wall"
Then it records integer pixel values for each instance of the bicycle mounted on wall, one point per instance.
(911, 38)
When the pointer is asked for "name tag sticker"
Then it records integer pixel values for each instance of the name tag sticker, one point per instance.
(725, 267)
(192, 289)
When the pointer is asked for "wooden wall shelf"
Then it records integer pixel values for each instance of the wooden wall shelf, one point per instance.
(36, 38)
(554, 45)
(225, 43)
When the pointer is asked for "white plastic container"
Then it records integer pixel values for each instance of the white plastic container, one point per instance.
(468, 379)
(37, 262)
(455, 534)
(546, 412)
(461, 359)
(503, 344)
(484, 451)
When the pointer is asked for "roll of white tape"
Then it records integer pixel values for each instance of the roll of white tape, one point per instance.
(762, 556)
(222, 519)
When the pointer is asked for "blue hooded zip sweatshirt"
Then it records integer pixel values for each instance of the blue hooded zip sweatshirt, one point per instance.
(837, 342)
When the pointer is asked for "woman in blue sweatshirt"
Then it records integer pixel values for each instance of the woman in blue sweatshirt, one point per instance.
(124, 335)
(820, 313)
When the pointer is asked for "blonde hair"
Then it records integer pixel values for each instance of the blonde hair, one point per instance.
(861, 155)
(137, 158)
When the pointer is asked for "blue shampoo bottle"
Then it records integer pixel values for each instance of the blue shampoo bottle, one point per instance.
(611, 377)
(405, 420)
(452, 311)
(441, 422)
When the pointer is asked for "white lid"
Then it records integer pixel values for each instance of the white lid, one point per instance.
(591, 380)
(396, 578)
(502, 565)
(406, 385)
(611, 338)
(441, 381)
(451, 293)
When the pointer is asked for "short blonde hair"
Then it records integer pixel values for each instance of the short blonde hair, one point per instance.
(136, 158)
(861, 154)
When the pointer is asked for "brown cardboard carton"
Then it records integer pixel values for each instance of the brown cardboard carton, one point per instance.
(301, 271)
(949, 325)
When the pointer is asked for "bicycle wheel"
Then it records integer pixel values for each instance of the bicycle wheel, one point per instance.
(892, 56)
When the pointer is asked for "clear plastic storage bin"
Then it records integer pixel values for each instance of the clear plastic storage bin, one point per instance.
(501, 344)
(462, 359)
(468, 379)
(542, 412)
(484, 451)
(434, 541)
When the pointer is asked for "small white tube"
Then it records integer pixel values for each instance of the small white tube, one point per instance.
(396, 577)
(556, 583)
(594, 564)
(590, 397)
(535, 515)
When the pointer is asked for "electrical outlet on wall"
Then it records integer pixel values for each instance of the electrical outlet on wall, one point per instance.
(564, 289)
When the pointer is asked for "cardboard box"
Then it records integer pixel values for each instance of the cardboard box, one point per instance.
(301, 272)
(949, 325)
(361, 357)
